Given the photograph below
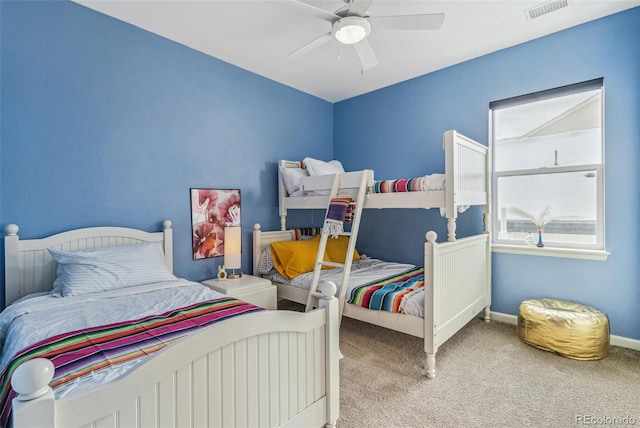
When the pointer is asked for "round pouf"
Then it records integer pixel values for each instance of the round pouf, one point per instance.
(568, 328)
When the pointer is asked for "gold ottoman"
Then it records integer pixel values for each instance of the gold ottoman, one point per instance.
(568, 328)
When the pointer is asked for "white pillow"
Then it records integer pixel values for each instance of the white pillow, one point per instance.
(318, 167)
(108, 268)
(291, 178)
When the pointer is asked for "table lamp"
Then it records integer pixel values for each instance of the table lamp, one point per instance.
(232, 254)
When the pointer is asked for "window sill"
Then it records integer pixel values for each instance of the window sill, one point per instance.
(570, 253)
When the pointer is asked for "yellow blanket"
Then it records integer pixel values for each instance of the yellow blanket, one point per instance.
(292, 258)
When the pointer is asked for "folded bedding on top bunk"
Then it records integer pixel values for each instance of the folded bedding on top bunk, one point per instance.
(293, 179)
(418, 184)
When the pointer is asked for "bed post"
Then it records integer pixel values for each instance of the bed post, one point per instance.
(451, 180)
(257, 232)
(487, 308)
(35, 404)
(486, 216)
(11, 267)
(332, 374)
(430, 315)
(282, 194)
(167, 244)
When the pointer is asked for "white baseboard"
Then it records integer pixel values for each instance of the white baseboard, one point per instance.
(624, 342)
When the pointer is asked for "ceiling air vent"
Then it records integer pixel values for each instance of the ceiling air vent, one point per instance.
(545, 8)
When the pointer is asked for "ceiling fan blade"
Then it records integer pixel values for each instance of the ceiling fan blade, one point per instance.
(311, 46)
(359, 7)
(431, 21)
(316, 11)
(365, 52)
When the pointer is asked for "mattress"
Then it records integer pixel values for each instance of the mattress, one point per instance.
(425, 183)
(363, 271)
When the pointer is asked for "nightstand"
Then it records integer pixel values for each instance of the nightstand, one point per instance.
(252, 289)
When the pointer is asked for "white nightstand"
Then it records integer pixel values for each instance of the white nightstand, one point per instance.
(252, 289)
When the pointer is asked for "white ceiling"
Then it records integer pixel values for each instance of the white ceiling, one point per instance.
(258, 35)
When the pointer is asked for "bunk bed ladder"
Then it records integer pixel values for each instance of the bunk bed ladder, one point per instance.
(365, 179)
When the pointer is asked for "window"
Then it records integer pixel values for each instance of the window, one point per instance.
(548, 168)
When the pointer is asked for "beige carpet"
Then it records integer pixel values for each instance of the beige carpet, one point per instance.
(486, 377)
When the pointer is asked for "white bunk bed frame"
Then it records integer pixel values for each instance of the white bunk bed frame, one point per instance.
(457, 273)
(466, 176)
(270, 368)
(457, 281)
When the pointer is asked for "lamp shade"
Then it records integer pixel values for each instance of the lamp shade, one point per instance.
(232, 244)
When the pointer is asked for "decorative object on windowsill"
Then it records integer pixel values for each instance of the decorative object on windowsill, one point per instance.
(540, 221)
(232, 253)
(530, 240)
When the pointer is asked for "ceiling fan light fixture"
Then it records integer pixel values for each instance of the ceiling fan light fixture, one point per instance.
(351, 29)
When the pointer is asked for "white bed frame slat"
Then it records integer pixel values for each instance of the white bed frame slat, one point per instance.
(270, 368)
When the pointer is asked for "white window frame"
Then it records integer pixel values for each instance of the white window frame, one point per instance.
(593, 251)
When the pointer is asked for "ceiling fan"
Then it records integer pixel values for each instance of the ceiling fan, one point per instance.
(351, 25)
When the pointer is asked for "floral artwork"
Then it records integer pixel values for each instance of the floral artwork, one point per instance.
(211, 211)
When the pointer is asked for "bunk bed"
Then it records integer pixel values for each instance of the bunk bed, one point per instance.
(223, 362)
(457, 273)
(465, 183)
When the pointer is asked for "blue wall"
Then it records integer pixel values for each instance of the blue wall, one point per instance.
(107, 124)
(398, 130)
(104, 123)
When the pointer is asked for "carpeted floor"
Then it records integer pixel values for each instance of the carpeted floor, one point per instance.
(486, 377)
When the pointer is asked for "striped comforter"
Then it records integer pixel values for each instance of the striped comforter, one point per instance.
(77, 353)
(387, 294)
(418, 184)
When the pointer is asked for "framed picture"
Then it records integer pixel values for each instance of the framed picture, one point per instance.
(211, 211)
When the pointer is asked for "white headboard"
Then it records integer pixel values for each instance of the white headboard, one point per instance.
(262, 240)
(29, 268)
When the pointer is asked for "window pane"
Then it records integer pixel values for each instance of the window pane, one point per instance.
(569, 198)
(561, 131)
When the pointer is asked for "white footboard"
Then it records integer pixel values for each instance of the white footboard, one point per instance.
(457, 287)
(273, 368)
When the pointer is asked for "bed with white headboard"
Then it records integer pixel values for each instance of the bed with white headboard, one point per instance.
(263, 368)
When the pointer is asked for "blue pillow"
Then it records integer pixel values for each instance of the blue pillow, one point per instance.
(108, 268)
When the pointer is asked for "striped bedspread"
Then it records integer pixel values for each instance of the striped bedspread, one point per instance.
(418, 184)
(77, 353)
(387, 294)
(399, 185)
